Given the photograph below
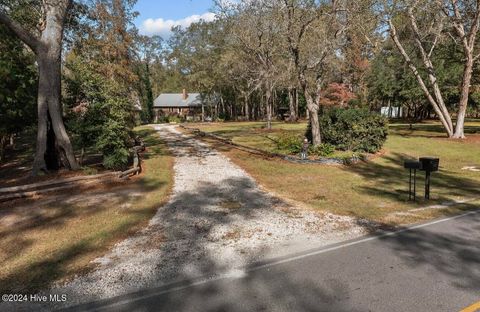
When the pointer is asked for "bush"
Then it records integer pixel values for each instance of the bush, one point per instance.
(175, 119)
(354, 129)
(113, 143)
(322, 150)
(163, 119)
(290, 143)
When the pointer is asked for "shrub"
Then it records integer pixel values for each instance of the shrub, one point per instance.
(324, 149)
(113, 145)
(290, 143)
(354, 129)
(163, 119)
(175, 119)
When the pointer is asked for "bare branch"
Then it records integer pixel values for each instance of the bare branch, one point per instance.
(28, 38)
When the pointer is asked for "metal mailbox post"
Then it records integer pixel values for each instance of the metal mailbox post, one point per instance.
(412, 165)
(429, 164)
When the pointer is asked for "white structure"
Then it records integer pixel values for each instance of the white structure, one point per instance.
(392, 111)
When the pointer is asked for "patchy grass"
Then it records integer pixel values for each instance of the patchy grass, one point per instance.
(373, 190)
(230, 204)
(53, 238)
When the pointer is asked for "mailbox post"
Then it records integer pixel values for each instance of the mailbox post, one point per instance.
(429, 165)
(412, 165)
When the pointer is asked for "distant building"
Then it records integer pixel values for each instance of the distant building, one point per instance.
(392, 111)
(184, 105)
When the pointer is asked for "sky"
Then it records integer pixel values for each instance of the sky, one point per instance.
(158, 16)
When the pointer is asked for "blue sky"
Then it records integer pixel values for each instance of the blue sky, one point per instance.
(158, 16)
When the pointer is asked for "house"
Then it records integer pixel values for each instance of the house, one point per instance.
(184, 105)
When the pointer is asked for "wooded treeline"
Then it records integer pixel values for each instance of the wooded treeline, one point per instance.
(91, 71)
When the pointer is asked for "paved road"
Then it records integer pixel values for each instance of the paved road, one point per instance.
(433, 267)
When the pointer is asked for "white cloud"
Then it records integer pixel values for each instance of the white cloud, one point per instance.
(163, 27)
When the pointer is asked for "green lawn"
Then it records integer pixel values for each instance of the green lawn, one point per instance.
(372, 190)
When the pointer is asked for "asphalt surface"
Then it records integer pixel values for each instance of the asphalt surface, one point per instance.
(431, 267)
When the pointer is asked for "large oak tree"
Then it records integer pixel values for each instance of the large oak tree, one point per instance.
(53, 144)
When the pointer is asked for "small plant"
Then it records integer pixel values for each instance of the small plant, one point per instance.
(322, 150)
(163, 119)
(175, 119)
(89, 170)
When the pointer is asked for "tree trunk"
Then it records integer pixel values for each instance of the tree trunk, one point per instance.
(312, 110)
(268, 104)
(247, 108)
(462, 107)
(296, 103)
(3, 143)
(49, 102)
(316, 137)
(292, 105)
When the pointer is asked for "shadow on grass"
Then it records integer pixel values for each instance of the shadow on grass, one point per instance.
(326, 282)
(188, 219)
(388, 179)
(436, 130)
(64, 211)
(189, 224)
(25, 224)
(318, 285)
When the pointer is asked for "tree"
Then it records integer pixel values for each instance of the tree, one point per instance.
(53, 143)
(309, 30)
(425, 32)
(17, 87)
(100, 82)
(147, 48)
(256, 37)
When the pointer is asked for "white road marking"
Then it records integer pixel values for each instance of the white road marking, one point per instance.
(239, 273)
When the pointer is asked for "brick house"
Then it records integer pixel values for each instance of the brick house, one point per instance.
(184, 105)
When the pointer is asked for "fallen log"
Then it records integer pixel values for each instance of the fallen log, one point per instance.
(18, 195)
(128, 172)
(56, 182)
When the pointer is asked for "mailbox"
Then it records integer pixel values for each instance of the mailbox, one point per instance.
(412, 164)
(429, 163)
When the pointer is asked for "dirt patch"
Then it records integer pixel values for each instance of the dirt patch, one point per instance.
(469, 139)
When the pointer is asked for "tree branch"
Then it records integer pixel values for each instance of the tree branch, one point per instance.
(29, 39)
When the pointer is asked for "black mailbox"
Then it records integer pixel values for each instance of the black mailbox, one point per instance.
(412, 164)
(429, 163)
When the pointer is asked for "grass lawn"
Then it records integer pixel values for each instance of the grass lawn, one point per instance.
(373, 190)
(53, 238)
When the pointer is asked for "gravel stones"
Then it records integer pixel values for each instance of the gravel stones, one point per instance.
(217, 219)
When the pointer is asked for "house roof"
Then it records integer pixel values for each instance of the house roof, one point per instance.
(176, 100)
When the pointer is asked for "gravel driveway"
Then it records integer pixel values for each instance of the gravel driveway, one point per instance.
(218, 219)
